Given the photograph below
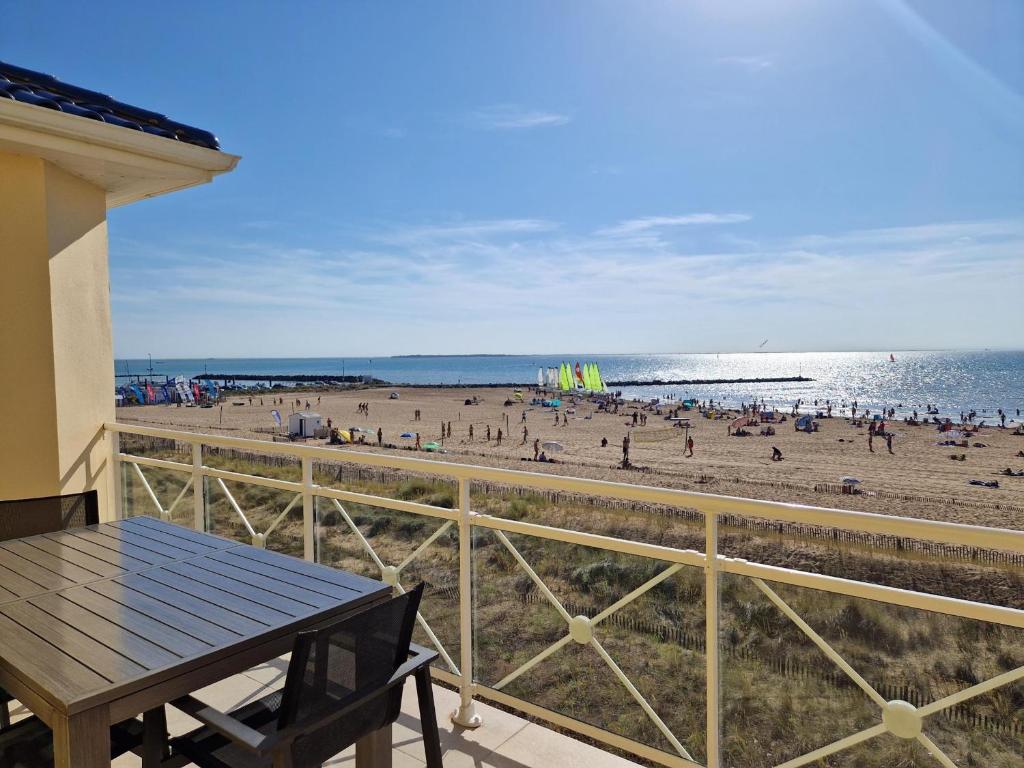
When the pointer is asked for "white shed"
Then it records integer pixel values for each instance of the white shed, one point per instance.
(303, 424)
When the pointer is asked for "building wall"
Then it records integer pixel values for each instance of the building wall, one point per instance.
(56, 347)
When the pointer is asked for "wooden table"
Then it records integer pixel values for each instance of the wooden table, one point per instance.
(101, 623)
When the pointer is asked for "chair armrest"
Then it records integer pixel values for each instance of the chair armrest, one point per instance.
(418, 657)
(224, 724)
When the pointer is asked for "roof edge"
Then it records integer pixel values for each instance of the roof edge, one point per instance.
(88, 133)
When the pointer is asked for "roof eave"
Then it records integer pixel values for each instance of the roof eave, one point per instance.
(130, 165)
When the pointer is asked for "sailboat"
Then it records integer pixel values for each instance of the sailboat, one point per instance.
(540, 377)
(891, 358)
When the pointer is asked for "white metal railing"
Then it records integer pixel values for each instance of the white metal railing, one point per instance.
(899, 718)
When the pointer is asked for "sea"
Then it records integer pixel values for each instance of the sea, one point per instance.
(950, 381)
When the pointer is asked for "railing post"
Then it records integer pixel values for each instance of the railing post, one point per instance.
(116, 481)
(711, 605)
(198, 488)
(466, 715)
(308, 543)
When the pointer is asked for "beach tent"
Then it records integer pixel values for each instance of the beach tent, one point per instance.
(552, 446)
(804, 423)
(431, 447)
(742, 421)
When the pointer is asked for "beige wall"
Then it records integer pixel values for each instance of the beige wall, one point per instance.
(56, 349)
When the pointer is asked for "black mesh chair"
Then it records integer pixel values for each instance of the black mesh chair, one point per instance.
(344, 682)
(30, 517)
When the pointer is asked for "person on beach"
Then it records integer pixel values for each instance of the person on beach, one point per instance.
(536, 448)
(689, 446)
(470, 433)
(380, 437)
(871, 439)
(449, 429)
(625, 451)
(526, 434)
(488, 433)
(499, 437)
(888, 441)
(418, 442)
(523, 419)
(565, 420)
(776, 454)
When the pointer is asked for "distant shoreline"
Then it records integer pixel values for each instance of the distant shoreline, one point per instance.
(334, 379)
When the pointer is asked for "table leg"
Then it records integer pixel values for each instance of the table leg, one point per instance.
(82, 740)
(374, 750)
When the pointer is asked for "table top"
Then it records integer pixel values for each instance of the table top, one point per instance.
(94, 614)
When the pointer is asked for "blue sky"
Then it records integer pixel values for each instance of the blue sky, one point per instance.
(457, 177)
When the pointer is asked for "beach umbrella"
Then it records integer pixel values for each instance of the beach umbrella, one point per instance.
(409, 435)
(849, 480)
(552, 447)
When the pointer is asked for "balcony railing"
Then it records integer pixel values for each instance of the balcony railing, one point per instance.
(645, 630)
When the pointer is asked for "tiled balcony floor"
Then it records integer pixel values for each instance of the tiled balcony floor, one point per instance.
(504, 740)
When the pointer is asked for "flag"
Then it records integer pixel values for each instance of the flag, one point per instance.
(277, 416)
(150, 394)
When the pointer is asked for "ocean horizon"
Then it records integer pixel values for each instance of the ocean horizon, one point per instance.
(951, 381)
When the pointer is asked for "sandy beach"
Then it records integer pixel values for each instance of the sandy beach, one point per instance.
(918, 480)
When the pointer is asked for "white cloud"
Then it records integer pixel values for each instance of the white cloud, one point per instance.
(523, 285)
(646, 223)
(748, 63)
(510, 117)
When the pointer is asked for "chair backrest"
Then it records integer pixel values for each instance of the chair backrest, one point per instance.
(30, 517)
(334, 666)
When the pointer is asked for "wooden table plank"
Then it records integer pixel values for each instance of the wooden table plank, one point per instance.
(46, 579)
(145, 550)
(56, 675)
(194, 571)
(274, 585)
(239, 623)
(222, 597)
(16, 584)
(51, 562)
(96, 565)
(302, 568)
(121, 638)
(88, 651)
(203, 629)
(100, 548)
(207, 540)
(174, 547)
(164, 634)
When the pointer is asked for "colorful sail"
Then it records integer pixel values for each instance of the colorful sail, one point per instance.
(588, 377)
(600, 380)
(564, 382)
(579, 374)
(540, 377)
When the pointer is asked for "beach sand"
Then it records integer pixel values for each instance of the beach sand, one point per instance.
(919, 480)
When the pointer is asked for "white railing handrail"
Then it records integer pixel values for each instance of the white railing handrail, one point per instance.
(938, 531)
(579, 629)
